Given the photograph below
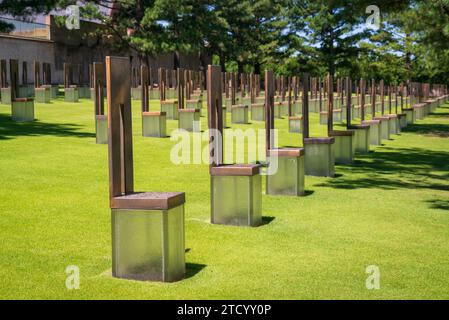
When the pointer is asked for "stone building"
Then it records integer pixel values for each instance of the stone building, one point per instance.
(49, 42)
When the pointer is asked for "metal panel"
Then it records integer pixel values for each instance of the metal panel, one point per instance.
(320, 160)
(236, 200)
(289, 177)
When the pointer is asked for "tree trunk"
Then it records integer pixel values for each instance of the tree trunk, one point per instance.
(176, 61)
(223, 62)
(257, 67)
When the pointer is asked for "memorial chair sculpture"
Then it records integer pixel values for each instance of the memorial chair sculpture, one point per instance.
(257, 108)
(319, 152)
(148, 241)
(240, 112)
(22, 108)
(344, 149)
(71, 93)
(5, 89)
(189, 119)
(42, 92)
(236, 190)
(101, 120)
(154, 123)
(361, 139)
(285, 174)
(385, 122)
(295, 120)
(374, 125)
(170, 107)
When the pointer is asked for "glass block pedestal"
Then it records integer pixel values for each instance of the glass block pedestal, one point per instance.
(71, 95)
(194, 104)
(43, 94)
(154, 124)
(394, 124)
(22, 110)
(240, 114)
(375, 133)
(338, 115)
(314, 105)
(320, 157)
(344, 149)
(189, 120)
(410, 115)
(277, 110)
(170, 107)
(148, 237)
(286, 172)
(54, 91)
(172, 94)
(283, 108)
(297, 108)
(295, 124)
(361, 140)
(419, 111)
(402, 119)
(258, 112)
(155, 94)
(356, 113)
(384, 127)
(101, 129)
(84, 92)
(236, 195)
(5, 95)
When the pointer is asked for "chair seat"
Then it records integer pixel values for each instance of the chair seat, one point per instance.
(188, 110)
(287, 152)
(341, 133)
(236, 170)
(153, 114)
(323, 140)
(149, 201)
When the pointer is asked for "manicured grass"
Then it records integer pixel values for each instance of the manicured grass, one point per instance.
(389, 209)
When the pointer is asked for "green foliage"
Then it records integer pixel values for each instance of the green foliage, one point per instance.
(288, 36)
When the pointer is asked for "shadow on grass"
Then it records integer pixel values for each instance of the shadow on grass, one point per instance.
(192, 269)
(267, 221)
(433, 130)
(396, 168)
(399, 168)
(439, 204)
(10, 129)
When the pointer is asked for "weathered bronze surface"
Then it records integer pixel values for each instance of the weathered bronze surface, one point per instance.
(145, 81)
(330, 104)
(14, 77)
(181, 88)
(3, 78)
(269, 109)
(305, 104)
(98, 82)
(37, 74)
(120, 127)
(215, 113)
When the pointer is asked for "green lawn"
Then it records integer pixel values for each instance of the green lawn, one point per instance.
(389, 209)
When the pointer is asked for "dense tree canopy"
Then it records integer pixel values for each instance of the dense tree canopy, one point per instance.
(289, 36)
